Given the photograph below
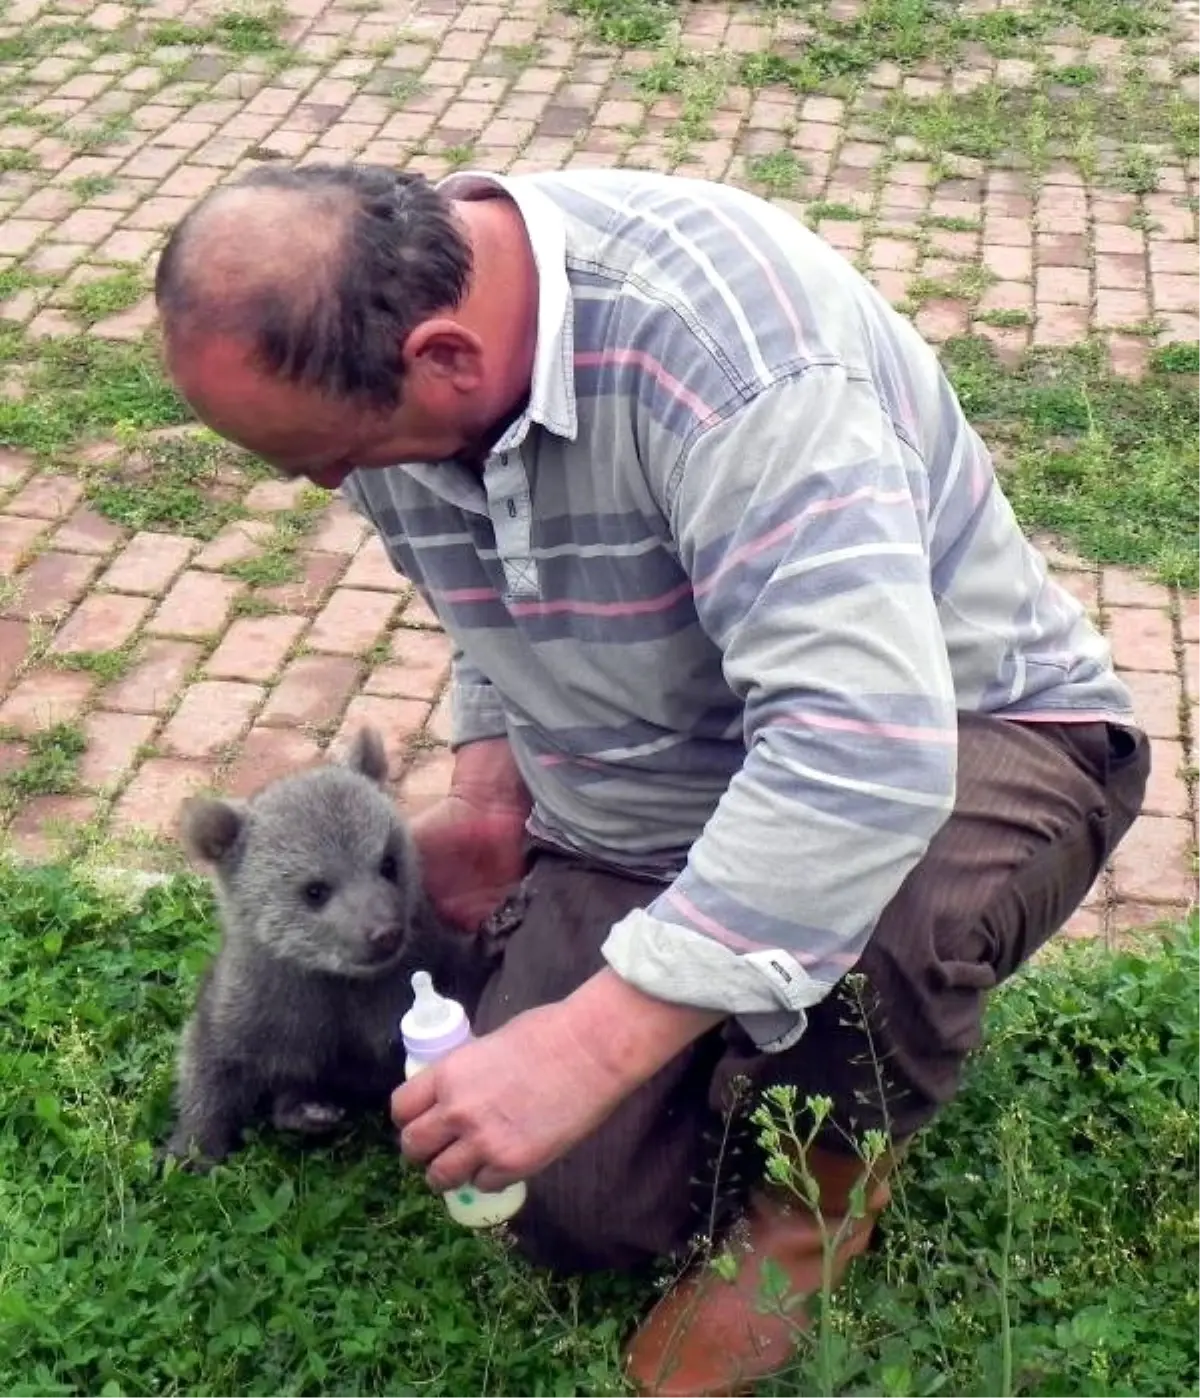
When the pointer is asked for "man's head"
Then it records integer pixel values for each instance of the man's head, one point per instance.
(329, 317)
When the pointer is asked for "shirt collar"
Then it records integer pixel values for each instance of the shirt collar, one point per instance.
(552, 390)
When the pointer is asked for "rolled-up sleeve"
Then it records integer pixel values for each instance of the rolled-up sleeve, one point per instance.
(801, 520)
(475, 708)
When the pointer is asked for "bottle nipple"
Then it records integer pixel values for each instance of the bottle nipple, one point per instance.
(429, 1008)
(433, 1022)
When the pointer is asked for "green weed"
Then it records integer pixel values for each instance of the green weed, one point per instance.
(1107, 463)
(12, 159)
(820, 209)
(89, 187)
(236, 31)
(174, 484)
(50, 767)
(780, 173)
(1004, 318)
(627, 23)
(81, 388)
(276, 562)
(1059, 1191)
(106, 296)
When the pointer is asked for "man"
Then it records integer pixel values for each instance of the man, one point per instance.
(755, 676)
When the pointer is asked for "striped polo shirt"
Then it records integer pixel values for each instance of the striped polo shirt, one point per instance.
(726, 582)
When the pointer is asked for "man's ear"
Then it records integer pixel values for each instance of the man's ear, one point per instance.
(367, 756)
(210, 827)
(444, 349)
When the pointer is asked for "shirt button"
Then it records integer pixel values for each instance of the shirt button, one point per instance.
(511, 506)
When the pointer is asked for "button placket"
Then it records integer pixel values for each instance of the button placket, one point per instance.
(511, 510)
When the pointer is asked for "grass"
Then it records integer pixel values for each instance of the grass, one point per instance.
(81, 388)
(780, 173)
(237, 31)
(173, 484)
(1071, 112)
(276, 560)
(50, 767)
(1107, 464)
(106, 296)
(89, 187)
(12, 159)
(303, 1270)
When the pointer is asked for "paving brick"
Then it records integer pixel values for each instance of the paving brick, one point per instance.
(1123, 588)
(351, 621)
(212, 714)
(268, 496)
(1084, 924)
(51, 585)
(44, 698)
(305, 593)
(1176, 293)
(371, 568)
(113, 741)
(152, 800)
(15, 466)
(313, 691)
(417, 612)
(45, 824)
(397, 721)
(235, 543)
(147, 564)
(151, 685)
(1115, 308)
(1120, 271)
(1166, 794)
(1065, 286)
(87, 532)
(266, 755)
(1059, 324)
(1094, 271)
(1151, 863)
(198, 605)
(1141, 639)
(1189, 618)
(255, 647)
(340, 530)
(14, 647)
(1157, 701)
(101, 622)
(1084, 587)
(46, 497)
(420, 661)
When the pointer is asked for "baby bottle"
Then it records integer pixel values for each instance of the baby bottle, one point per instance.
(434, 1027)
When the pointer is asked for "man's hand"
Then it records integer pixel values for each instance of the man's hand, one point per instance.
(471, 843)
(505, 1106)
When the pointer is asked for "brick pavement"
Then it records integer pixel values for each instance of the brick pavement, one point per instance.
(155, 647)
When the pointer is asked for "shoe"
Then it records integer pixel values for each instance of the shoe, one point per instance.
(708, 1337)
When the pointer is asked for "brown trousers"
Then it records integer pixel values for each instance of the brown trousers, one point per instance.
(1039, 809)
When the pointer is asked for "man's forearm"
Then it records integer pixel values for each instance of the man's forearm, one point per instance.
(632, 1035)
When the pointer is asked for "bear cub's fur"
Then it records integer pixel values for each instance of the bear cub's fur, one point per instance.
(323, 922)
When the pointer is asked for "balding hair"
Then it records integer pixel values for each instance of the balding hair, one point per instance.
(322, 271)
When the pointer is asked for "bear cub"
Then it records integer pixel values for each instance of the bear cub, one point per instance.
(323, 921)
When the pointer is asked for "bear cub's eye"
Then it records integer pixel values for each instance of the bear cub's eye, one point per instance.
(317, 893)
(388, 868)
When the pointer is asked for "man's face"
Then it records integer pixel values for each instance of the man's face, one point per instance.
(301, 432)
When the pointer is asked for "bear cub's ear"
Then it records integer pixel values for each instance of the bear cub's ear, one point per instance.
(210, 827)
(367, 756)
